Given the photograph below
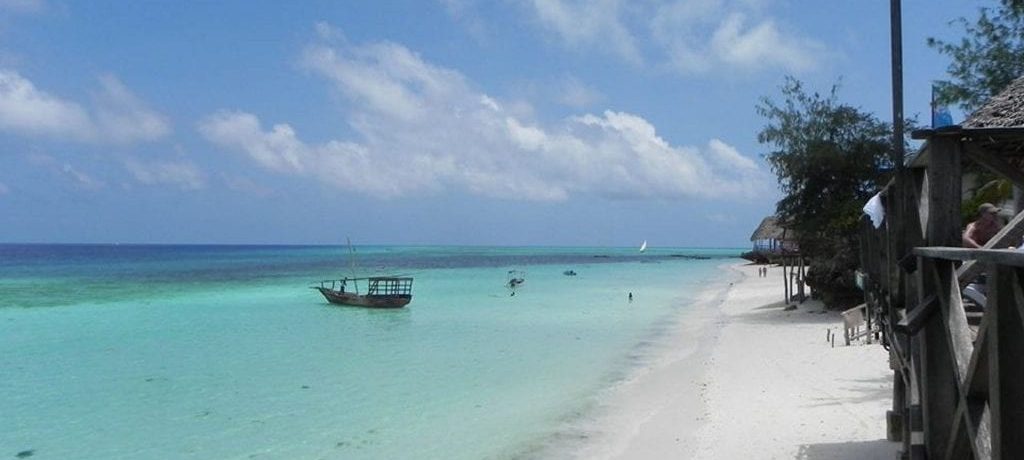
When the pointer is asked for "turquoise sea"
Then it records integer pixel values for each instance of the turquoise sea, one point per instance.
(162, 352)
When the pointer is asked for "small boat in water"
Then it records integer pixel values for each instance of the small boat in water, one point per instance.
(569, 273)
(381, 292)
(515, 278)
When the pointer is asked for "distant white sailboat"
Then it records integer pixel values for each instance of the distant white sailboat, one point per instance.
(643, 247)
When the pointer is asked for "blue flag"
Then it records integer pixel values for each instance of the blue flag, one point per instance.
(940, 113)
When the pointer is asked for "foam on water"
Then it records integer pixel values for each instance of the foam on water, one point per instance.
(214, 352)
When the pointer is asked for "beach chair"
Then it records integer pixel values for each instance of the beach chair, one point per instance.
(853, 319)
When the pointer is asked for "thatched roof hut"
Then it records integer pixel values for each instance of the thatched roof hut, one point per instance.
(771, 238)
(1004, 110)
(770, 229)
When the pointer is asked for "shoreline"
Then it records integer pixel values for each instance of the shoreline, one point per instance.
(736, 366)
(668, 362)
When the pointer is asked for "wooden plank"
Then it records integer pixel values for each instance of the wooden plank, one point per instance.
(923, 206)
(975, 383)
(996, 256)
(960, 443)
(971, 432)
(1006, 368)
(939, 394)
(951, 306)
(981, 418)
(974, 396)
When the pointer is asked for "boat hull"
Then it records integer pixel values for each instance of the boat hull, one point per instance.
(369, 301)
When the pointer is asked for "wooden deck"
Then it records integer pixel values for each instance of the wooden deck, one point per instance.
(958, 373)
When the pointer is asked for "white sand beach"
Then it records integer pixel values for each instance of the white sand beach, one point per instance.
(741, 378)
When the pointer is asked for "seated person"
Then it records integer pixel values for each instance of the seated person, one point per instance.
(984, 228)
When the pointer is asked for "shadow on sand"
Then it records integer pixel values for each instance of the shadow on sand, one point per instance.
(810, 312)
(879, 448)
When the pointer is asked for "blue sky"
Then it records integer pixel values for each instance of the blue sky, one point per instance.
(543, 122)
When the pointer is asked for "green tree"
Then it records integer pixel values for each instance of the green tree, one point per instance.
(830, 158)
(987, 59)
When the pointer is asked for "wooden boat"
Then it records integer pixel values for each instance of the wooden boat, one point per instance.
(381, 292)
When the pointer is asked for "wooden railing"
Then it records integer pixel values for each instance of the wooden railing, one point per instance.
(958, 380)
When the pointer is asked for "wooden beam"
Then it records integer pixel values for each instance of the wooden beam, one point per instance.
(971, 433)
(975, 384)
(984, 256)
(944, 193)
(951, 306)
(995, 164)
(940, 375)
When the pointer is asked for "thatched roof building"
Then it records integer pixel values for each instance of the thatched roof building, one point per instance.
(1004, 110)
(769, 230)
(771, 238)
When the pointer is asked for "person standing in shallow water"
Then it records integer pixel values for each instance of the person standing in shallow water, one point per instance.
(630, 297)
(984, 228)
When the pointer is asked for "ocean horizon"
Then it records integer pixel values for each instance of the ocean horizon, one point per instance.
(223, 351)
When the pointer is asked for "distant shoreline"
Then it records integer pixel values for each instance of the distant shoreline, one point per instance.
(654, 250)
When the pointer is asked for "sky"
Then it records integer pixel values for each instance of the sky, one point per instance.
(455, 122)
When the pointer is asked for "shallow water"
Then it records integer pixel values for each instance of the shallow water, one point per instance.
(224, 352)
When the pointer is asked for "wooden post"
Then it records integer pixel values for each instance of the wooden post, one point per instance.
(938, 380)
(797, 280)
(785, 281)
(1006, 368)
(913, 235)
(1018, 199)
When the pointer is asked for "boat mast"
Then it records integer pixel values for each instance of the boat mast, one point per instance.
(352, 264)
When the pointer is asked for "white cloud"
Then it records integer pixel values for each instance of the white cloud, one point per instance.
(597, 24)
(118, 117)
(181, 173)
(727, 156)
(277, 149)
(762, 45)
(690, 36)
(25, 109)
(421, 127)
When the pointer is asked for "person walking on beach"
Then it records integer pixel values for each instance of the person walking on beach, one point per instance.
(984, 228)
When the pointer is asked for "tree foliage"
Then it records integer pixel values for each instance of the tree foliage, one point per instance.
(987, 59)
(830, 158)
